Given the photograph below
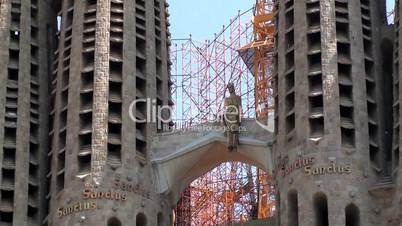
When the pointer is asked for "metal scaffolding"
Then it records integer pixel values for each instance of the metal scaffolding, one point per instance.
(201, 71)
(232, 192)
(259, 55)
(240, 53)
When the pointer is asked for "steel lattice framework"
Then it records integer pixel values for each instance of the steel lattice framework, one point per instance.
(201, 71)
(232, 192)
(240, 53)
(259, 55)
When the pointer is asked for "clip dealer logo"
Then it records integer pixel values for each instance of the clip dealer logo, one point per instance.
(162, 116)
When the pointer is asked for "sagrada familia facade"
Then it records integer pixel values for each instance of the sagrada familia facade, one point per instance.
(71, 153)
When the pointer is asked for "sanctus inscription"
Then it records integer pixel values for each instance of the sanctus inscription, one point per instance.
(111, 195)
(89, 202)
(331, 168)
(308, 164)
(76, 208)
(285, 168)
(125, 186)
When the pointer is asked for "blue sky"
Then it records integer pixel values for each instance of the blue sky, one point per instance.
(202, 18)
(390, 4)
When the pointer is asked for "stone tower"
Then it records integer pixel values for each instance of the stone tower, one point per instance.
(26, 33)
(335, 117)
(82, 83)
(111, 53)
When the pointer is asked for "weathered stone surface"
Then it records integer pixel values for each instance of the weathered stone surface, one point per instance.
(150, 182)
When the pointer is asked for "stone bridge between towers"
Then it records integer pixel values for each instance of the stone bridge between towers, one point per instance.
(180, 157)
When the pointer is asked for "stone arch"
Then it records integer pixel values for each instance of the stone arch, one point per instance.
(193, 175)
(320, 202)
(174, 172)
(114, 221)
(293, 208)
(352, 215)
(141, 220)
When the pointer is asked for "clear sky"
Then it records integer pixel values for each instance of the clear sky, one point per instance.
(203, 18)
(390, 4)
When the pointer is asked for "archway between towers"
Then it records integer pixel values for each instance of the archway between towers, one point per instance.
(233, 192)
(180, 158)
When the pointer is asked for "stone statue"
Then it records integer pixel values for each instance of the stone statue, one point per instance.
(232, 117)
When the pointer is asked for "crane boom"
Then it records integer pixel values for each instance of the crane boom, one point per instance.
(258, 55)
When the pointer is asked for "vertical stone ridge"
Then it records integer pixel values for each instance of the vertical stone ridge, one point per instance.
(101, 92)
(330, 81)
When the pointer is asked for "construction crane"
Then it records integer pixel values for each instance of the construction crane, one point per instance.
(258, 55)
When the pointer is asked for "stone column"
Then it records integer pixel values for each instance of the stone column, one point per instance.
(101, 91)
